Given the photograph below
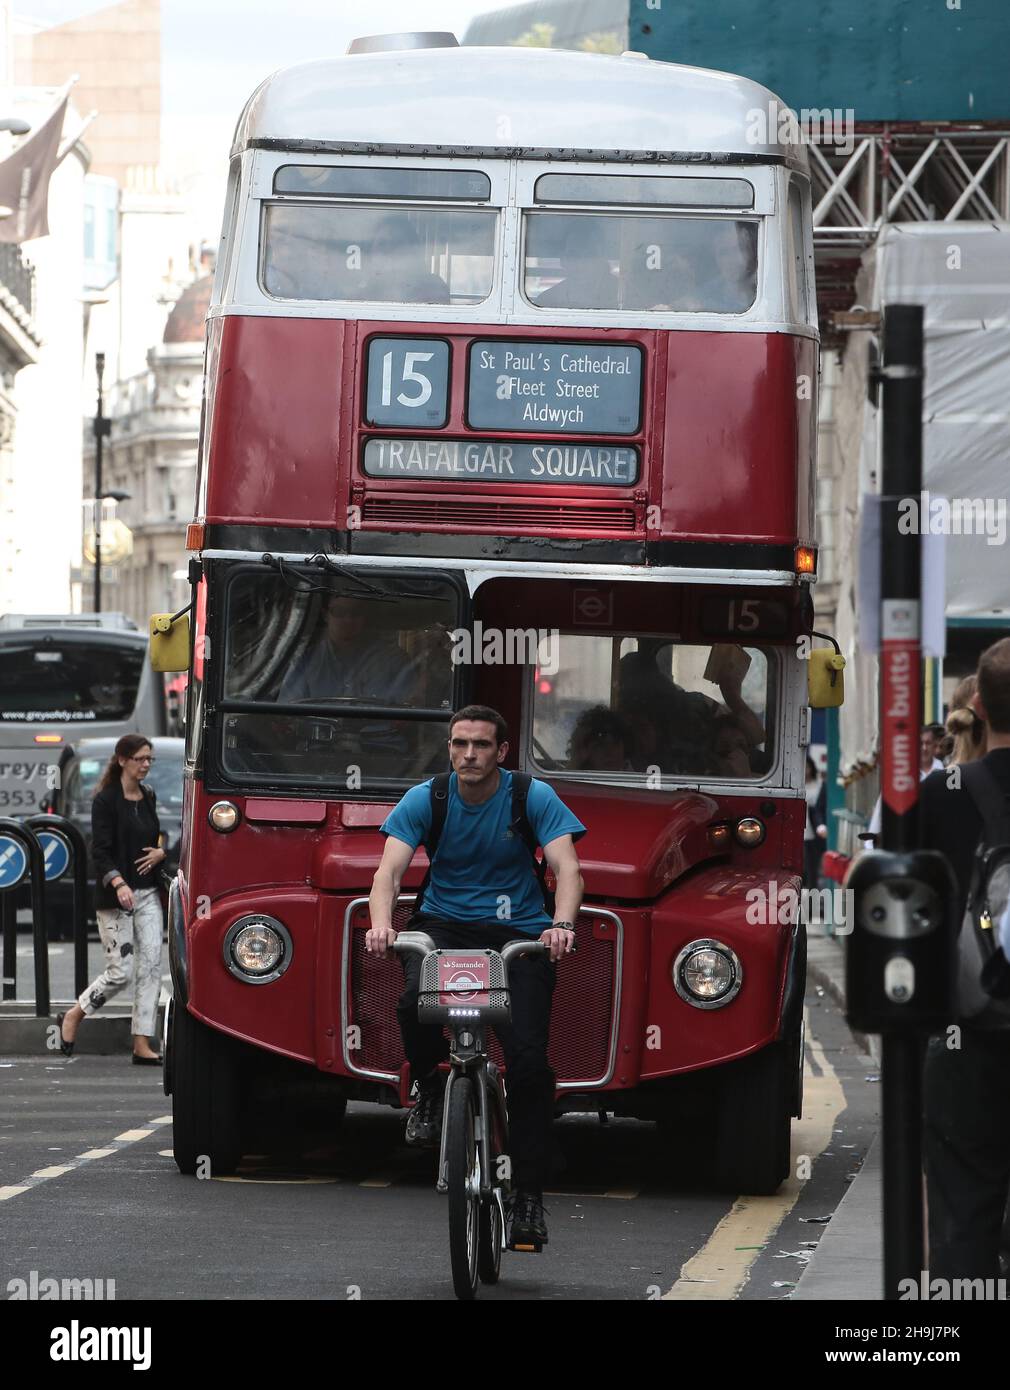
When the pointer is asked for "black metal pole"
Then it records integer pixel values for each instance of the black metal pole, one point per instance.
(79, 864)
(900, 721)
(99, 436)
(10, 944)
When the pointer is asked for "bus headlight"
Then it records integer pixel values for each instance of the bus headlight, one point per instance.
(224, 816)
(750, 831)
(257, 949)
(707, 974)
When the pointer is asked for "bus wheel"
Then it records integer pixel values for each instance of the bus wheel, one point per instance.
(755, 1105)
(206, 1097)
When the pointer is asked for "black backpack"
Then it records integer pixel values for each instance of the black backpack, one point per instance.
(983, 971)
(520, 826)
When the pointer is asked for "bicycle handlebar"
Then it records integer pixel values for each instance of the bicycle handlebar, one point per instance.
(419, 943)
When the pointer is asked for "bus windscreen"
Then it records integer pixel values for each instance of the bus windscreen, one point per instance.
(372, 644)
(51, 680)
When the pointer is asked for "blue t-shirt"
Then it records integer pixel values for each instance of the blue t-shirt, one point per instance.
(482, 871)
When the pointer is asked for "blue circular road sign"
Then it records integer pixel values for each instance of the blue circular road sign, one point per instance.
(13, 862)
(57, 854)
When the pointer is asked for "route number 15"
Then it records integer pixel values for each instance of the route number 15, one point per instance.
(408, 382)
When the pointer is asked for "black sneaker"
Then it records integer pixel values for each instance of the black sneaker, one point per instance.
(527, 1227)
(424, 1123)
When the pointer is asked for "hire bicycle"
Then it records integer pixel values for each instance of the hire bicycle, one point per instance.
(467, 991)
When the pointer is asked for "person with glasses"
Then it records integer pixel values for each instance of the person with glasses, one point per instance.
(125, 851)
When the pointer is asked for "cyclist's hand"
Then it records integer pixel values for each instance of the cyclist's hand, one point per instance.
(379, 939)
(560, 940)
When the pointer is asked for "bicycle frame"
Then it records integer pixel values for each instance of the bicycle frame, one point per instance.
(468, 1057)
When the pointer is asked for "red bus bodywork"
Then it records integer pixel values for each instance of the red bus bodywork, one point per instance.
(726, 482)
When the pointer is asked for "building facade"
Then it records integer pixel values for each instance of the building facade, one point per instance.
(151, 454)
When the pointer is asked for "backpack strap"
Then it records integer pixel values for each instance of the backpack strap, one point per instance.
(989, 800)
(521, 782)
(439, 791)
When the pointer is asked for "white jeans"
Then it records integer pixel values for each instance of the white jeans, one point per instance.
(132, 942)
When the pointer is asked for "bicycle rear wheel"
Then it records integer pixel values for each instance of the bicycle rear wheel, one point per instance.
(463, 1165)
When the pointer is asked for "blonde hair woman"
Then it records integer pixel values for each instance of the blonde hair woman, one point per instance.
(964, 725)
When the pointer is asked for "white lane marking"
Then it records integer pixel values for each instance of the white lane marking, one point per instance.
(722, 1266)
(57, 1170)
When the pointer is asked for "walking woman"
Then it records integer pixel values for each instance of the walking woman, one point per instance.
(125, 852)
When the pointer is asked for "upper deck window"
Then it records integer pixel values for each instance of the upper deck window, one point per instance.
(653, 190)
(640, 262)
(392, 255)
(345, 181)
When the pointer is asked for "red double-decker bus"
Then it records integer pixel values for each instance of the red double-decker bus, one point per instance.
(511, 376)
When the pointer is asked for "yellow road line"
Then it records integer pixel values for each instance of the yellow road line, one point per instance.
(721, 1267)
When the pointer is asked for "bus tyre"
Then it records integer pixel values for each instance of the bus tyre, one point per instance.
(463, 1164)
(206, 1097)
(752, 1136)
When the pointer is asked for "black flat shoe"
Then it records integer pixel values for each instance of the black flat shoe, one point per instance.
(146, 1061)
(67, 1048)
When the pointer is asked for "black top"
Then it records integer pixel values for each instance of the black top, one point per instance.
(120, 832)
(950, 822)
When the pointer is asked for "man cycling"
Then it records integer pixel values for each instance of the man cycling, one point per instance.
(483, 892)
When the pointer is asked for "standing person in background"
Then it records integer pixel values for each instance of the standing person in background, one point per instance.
(124, 850)
(815, 832)
(966, 1088)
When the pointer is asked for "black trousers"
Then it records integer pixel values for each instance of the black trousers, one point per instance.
(529, 1077)
(967, 1152)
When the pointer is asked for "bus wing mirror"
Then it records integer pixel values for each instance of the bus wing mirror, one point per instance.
(825, 679)
(170, 642)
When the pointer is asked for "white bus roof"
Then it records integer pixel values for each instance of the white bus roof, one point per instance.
(516, 103)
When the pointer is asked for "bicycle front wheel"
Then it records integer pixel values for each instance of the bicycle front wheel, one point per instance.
(463, 1174)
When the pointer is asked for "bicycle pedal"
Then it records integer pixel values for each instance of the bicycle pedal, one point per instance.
(527, 1247)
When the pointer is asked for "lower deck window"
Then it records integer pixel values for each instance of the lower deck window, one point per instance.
(654, 705)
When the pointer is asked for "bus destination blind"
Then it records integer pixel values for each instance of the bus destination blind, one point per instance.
(492, 460)
(554, 388)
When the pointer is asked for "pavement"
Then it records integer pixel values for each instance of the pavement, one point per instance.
(848, 1263)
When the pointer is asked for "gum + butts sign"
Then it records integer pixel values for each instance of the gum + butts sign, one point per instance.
(540, 388)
